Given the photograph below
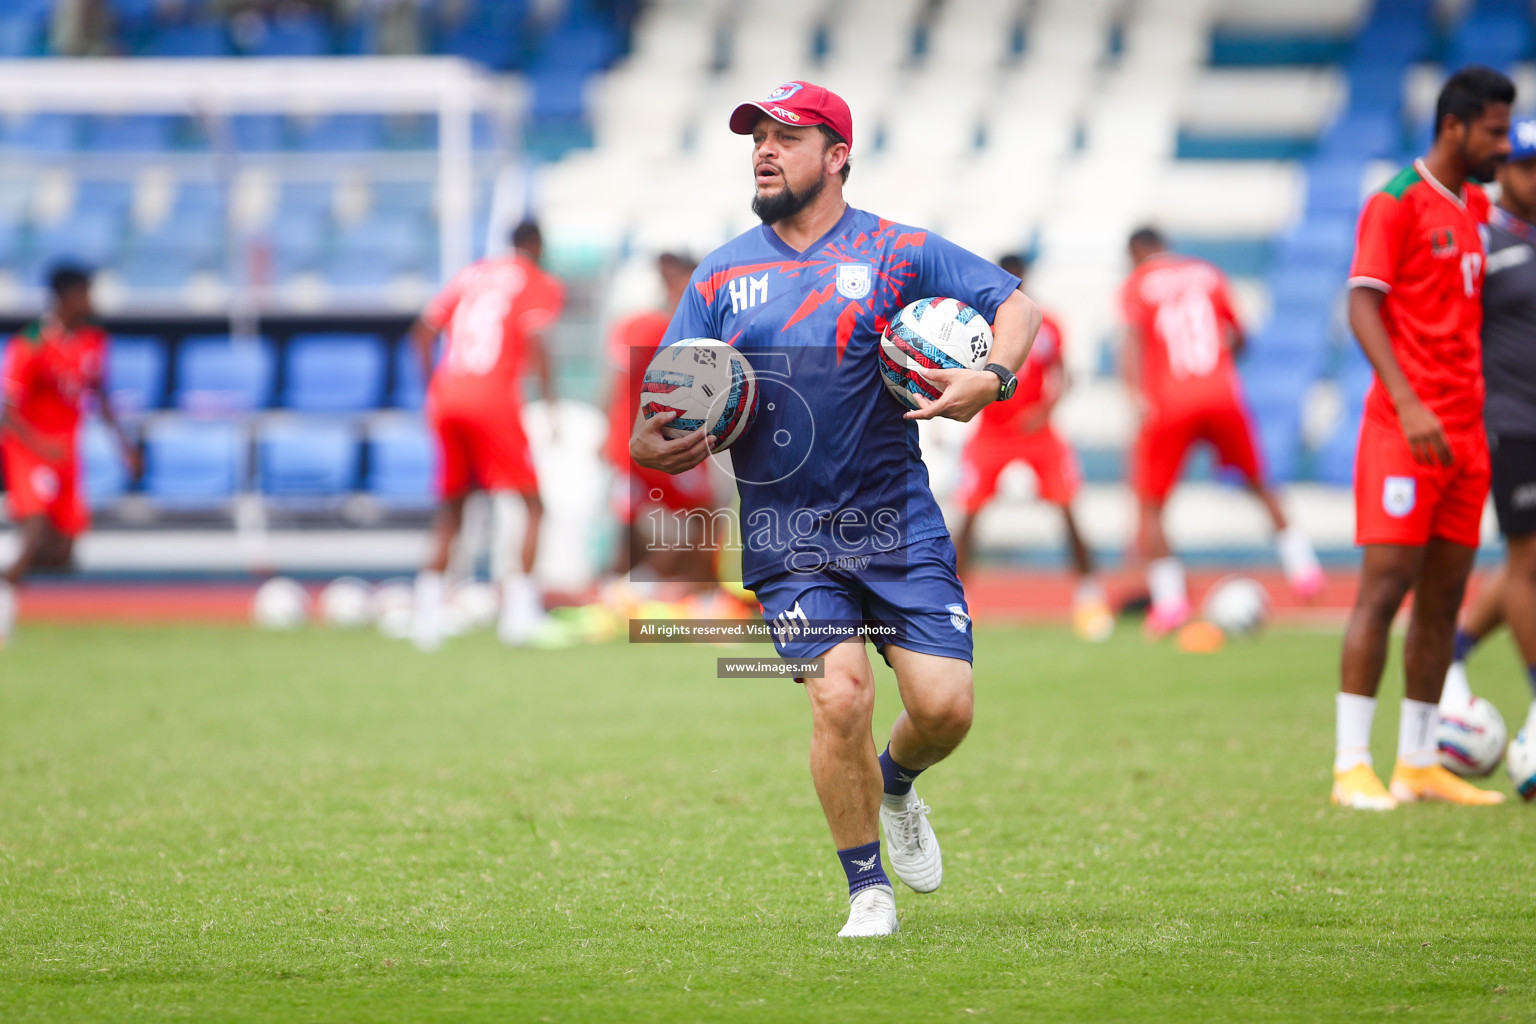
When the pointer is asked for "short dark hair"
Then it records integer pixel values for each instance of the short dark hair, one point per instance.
(678, 261)
(1015, 263)
(66, 277)
(1148, 236)
(526, 232)
(832, 138)
(1469, 92)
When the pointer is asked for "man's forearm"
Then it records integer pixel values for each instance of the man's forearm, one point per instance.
(1371, 331)
(1013, 331)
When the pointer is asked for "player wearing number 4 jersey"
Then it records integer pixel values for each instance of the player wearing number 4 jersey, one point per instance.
(495, 313)
(1421, 468)
(1182, 334)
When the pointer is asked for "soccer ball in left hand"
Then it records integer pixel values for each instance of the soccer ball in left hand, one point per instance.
(931, 334)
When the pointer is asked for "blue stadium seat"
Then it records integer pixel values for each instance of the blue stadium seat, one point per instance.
(297, 239)
(137, 133)
(258, 132)
(412, 198)
(136, 374)
(191, 39)
(1333, 186)
(193, 465)
(1335, 460)
(158, 269)
(216, 375)
(294, 36)
(306, 460)
(1323, 242)
(198, 199)
(1495, 37)
(410, 390)
(1362, 136)
(40, 133)
(491, 34)
(102, 469)
(110, 195)
(342, 133)
(334, 372)
(1306, 288)
(92, 237)
(402, 465)
(374, 251)
(196, 235)
(22, 33)
(10, 241)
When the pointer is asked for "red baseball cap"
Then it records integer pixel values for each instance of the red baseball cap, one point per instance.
(800, 104)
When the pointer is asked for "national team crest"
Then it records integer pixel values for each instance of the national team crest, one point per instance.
(958, 618)
(784, 91)
(854, 280)
(1442, 243)
(1398, 495)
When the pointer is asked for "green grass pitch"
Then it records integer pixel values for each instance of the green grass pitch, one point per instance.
(218, 825)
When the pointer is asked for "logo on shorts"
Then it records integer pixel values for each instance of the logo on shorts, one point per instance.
(784, 92)
(45, 481)
(853, 280)
(958, 618)
(1524, 496)
(788, 624)
(1398, 495)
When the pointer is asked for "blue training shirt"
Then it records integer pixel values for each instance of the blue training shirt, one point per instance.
(830, 473)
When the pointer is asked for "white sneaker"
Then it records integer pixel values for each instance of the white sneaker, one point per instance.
(522, 613)
(912, 848)
(871, 912)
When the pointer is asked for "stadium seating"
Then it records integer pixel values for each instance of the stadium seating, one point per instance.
(194, 466)
(135, 374)
(334, 373)
(306, 461)
(401, 465)
(103, 473)
(219, 376)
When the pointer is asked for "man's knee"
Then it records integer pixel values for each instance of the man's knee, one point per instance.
(1382, 591)
(943, 717)
(842, 702)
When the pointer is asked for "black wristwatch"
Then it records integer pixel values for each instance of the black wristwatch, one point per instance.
(1010, 383)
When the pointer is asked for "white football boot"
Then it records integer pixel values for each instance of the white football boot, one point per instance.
(871, 912)
(912, 848)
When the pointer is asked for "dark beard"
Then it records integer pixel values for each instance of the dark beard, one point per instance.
(772, 209)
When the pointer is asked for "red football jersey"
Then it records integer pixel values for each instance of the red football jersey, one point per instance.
(47, 372)
(1419, 243)
(632, 343)
(1044, 356)
(1182, 308)
(488, 309)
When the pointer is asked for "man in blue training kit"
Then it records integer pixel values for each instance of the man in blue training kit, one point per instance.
(840, 530)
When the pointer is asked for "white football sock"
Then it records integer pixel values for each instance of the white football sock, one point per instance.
(427, 617)
(522, 609)
(7, 610)
(1530, 719)
(1458, 691)
(1416, 733)
(1165, 579)
(1297, 559)
(1354, 715)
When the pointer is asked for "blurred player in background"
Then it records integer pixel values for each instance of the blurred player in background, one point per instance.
(1421, 467)
(1509, 415)
(1182, 335)
(1019, 430)
(642, 495)
(832, 459)
(496, 313)
(49, 368)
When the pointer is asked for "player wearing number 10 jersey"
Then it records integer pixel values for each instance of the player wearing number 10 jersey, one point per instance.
(1182, 334)
(495, 313)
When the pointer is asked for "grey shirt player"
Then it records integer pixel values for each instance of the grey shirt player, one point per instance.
(1509, 328)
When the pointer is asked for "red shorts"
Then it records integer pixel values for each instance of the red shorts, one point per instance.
(1167, 435)
(639, 488)
(39, 487)
(481, 450)
(984, 459)
(1398, 501)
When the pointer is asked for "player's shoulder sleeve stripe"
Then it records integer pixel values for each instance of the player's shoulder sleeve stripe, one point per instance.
(1369, 282)
(1401, 182)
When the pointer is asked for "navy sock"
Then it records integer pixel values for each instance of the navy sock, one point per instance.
(1530, 671)
(862, 865)
(898, 779)
(1464, 643)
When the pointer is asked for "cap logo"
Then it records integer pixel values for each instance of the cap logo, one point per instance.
(784, 91)
(780, 112)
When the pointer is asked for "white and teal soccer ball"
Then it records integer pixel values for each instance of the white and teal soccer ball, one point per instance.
(1471, 738)
(476, 604)
(394, 602)
(708, 384)
(346, 603)
(280, 603)
(1521, 765)
(931, 334)
(1237, 605)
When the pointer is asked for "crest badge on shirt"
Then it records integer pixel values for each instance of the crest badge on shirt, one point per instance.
(854, 280)
(1398, 495)
(1442, 243)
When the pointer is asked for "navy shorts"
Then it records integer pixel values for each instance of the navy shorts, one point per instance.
(924, 611)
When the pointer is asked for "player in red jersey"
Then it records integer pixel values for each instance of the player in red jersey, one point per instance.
(48, 370)
(638, 490)
(1182, 335)
(497, 313)
(1020, 430)
(1421, 468)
